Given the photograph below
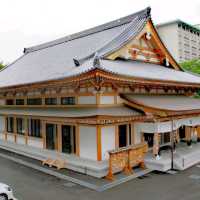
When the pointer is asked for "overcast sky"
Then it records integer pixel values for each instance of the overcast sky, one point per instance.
(26, 23)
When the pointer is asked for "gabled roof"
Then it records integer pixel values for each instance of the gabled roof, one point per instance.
(59, 59)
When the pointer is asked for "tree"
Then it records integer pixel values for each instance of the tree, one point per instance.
(191, 65)
(2, 65)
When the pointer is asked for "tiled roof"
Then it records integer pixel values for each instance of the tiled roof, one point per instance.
(55, 60)
(165, 102)
(148, 71)
(121, 111)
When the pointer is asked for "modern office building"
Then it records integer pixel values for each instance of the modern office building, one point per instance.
(181, 39)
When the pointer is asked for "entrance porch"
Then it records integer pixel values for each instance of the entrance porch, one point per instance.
(183, 157)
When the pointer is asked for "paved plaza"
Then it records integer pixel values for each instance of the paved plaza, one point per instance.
(31, 184)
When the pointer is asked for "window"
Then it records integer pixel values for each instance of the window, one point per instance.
(10, 121)
(34, 128)
(50, 101)
(122, 132)
(19, 101)
(34, 101)
(9, 102)
(20, 126)
(68, 100)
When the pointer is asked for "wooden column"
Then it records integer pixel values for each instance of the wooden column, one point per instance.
(59, 137)
(98, 136)
(77, 140)
(44, 134)
(116, 136)
(43, 101)
(98, 95)
(127, 135)
(198, 133)
(26, 130)
(188, 134)
(115, 99)
(15, 129)
(156, 144)
(59, 100)
(132, 134)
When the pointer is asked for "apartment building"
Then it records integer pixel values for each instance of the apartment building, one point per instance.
(182, 39)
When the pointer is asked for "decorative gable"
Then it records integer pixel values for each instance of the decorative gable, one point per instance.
(146, 47)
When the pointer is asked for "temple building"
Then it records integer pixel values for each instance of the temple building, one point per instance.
(100, 101)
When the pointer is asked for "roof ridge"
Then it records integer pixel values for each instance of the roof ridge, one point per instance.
(96, 29)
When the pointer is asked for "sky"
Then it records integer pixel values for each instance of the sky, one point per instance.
(26, 23)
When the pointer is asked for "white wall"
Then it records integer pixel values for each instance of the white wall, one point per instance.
(10, 137)
(2, 101)
(107, 140)
(107, 100)
(35, 142)
(119, 100)
(2, 124)
(20, 139)
(88, 142)
(87, 100)
(137, 133)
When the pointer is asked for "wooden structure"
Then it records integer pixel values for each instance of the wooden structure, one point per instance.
(102, 89)
(58, 163)
(124, 159)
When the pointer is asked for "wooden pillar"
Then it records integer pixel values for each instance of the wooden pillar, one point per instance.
(26, 130)
(59, 137)
(198, 133)
(77, 140)
(44, 134)
(98, 95)
(127, 135)
(188, 134)
(156, 144)
(116, 136)
(98, 136)
(15, 129)
(59, 100)
(132, 134)
(115, 99)
(43, 101)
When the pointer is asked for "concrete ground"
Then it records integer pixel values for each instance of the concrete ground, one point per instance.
(29, 184)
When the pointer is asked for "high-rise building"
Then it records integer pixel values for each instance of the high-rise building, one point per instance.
(182, 39)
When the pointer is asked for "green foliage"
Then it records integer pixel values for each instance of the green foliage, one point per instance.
(191, 65)
(2, 65)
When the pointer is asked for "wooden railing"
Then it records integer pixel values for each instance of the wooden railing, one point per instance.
(124, 159)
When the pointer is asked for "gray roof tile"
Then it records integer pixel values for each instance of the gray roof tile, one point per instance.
(54, 60)
(166, 102)
(72, 112)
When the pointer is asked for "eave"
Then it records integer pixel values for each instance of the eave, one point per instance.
(156, 112)
(101, 74)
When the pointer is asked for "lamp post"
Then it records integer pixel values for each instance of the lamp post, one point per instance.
(172, 146)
